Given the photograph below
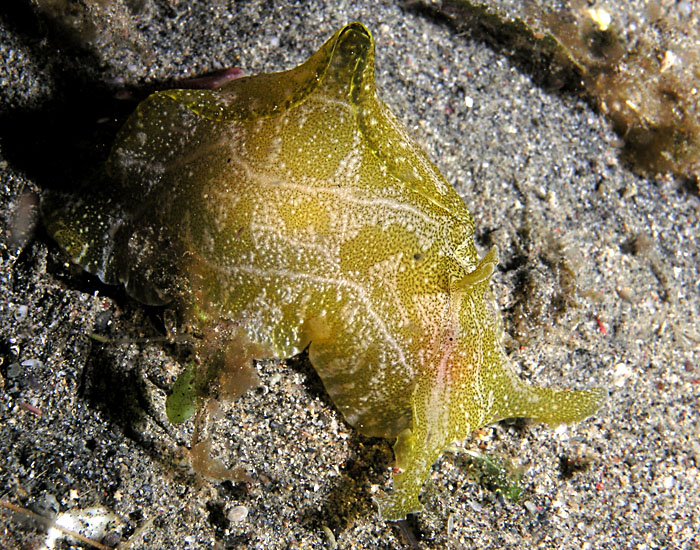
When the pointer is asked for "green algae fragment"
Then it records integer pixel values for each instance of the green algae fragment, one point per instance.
(181, 404)
(497, 474)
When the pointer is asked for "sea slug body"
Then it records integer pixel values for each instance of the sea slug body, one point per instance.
(296, 209)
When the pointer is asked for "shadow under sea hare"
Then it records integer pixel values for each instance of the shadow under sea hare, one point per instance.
(292, 210)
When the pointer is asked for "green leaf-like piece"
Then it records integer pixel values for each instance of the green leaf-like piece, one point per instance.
(181, 404)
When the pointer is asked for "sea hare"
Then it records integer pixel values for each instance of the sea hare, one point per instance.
(292, 210)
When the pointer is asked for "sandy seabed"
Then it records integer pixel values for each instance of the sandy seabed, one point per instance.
(82, 426)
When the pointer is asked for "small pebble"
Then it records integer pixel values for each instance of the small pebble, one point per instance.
(330, 537)
(626, 293)
(21, 313)
(102, 320)
(237, 514)
(621, 374)
(14, 370)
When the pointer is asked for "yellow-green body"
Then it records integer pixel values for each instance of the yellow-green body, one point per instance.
(296, 207)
